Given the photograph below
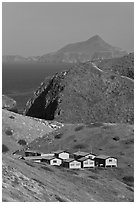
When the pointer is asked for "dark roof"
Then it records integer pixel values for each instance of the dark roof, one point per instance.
(69, 160)
(33, 151)
(103, 157)
(33, 158)
(60, 151)
(49, 157)
(81, 153)
(84, 158)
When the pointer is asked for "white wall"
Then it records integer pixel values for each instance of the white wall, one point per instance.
(64, 155)
(75, 165)
(56, 162)
(112, 162)
(91, 156)
(88, 163)
(47, 154)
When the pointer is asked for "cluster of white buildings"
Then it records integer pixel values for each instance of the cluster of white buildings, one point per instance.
(75, 160)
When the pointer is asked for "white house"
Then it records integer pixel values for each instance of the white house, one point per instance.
(52, 160)
(105, 161)
(71, 163)
(62, 154)
(86, 162)
(79, 154)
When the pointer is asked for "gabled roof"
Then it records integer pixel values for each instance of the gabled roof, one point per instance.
(33, 151)
(85, 158)
(33, 158)
(103, 157)
(60, 151)
(69, 160)
(79, 153)
(50, 157)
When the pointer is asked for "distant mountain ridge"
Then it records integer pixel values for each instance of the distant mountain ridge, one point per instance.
(91, 49)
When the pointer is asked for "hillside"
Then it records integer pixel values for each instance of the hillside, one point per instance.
(17, 127)
(93, 48)
(123, 66)
(25, 181)
(85, 94)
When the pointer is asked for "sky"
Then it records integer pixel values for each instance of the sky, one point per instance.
(34, 29)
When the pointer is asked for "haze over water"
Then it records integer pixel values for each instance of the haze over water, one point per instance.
(21, 80)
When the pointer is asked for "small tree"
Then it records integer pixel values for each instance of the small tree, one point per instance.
(22, 142)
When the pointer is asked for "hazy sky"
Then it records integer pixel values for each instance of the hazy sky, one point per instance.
(37, 28)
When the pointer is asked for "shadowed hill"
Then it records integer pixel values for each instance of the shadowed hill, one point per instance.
(83, 94)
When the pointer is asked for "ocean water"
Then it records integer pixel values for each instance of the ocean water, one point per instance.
(19, 81)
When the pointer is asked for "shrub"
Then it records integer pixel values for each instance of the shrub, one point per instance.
(129, 141)
(4, 148)
(116, 138)
(60, 199)
(80, 146)
(22, 142)
(93, 177)
(12, 117)
(58, 136)
(9, 131)
(79, 128)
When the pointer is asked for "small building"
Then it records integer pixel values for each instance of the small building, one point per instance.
(62, 154)
(32, 153)
(52, 160)
(71, 163)
(47, 155)
(86, 162)
(105, 161)
(79, 154)
(33, 158)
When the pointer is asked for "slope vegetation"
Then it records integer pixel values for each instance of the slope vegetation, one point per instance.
(17, 128)
(123, 66)
(85, 94)
(27, 181)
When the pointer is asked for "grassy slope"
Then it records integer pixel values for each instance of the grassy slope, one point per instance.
(16, 127)
(34, 182)
(110, 139)
(123, 66)
(26, 181)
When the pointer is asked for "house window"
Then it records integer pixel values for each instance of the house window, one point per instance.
(54, 161)
(110, 160)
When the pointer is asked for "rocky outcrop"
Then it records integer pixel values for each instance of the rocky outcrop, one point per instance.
(86, 94)
(9, 103)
